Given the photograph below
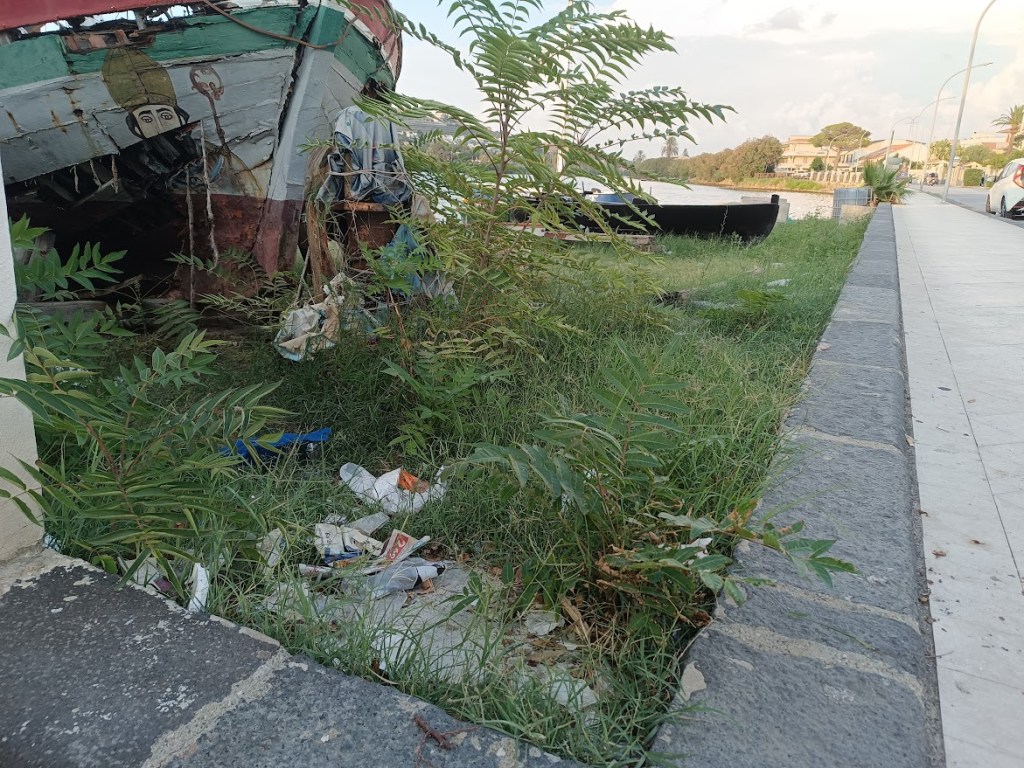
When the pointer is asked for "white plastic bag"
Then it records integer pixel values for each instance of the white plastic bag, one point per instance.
(385, 491)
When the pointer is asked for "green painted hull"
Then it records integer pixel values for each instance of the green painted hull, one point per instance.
(38, 59)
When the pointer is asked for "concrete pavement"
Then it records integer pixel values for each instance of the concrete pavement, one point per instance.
(962, 287)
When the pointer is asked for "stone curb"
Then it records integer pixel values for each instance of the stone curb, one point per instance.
(803, 674)
(98, 677)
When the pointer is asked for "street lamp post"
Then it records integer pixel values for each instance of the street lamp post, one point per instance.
(916, 120)
(935, 114)
(963, 100)
(892, 135)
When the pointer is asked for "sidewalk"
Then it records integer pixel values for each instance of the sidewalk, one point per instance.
(962, 286)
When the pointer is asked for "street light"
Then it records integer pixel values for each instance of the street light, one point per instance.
(913, 130)
(963, 100)
(935, 114)
(892, 134)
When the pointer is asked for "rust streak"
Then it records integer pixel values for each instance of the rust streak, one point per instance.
(57, 122)
(14, 122)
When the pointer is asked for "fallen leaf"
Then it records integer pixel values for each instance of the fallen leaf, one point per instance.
(938, 553)
(574, 616)
(972, 401)
(976, 541)
(910, 440)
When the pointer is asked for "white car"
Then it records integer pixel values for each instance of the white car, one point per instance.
(1007, 192)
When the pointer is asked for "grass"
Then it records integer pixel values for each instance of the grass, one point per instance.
(702, 313)
(783, 185)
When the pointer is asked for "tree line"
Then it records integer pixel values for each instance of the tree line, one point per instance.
(750, 158)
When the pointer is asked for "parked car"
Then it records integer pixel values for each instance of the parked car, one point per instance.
(1006, 194)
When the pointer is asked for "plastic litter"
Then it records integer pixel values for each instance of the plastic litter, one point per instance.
(396, 492)
(404, 577)
(370, 523)
(294, 601)
(307, 330)
(540, 623)
(267, 450)
(400, 546)
(147, 575)
(703, 544)
(200, 589)
(778, 283)
(335, 543)
(315, 571)
(272, 547)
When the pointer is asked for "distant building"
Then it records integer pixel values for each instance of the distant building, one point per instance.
(994, 140)
(913, 151)
(798, 153)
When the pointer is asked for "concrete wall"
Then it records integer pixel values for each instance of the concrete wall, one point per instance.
(853, 178)
(17, 438)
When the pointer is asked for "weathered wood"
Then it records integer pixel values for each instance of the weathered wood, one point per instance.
(351, 206)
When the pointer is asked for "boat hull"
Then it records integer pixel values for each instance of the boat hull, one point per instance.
(194, 128)
(750, 222)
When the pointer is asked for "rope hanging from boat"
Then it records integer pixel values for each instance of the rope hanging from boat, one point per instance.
(277, 35)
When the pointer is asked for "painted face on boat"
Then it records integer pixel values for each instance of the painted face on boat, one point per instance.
(154, 119)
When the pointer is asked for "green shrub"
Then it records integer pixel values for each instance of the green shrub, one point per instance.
(972, 177)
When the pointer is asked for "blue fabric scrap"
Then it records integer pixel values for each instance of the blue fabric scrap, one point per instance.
(260, 447)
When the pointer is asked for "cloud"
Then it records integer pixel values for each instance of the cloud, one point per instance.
(871, 62)
(788, 18)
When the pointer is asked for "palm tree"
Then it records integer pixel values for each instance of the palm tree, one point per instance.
(1014, 120)
(671, 148)
(639, 157)
(885, 185)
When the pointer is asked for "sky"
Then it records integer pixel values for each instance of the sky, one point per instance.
(790, 68)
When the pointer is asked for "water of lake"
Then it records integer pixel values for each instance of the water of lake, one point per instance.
(801, 204)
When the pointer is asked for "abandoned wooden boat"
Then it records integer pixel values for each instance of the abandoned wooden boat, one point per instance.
(750, 222)
(162, 126)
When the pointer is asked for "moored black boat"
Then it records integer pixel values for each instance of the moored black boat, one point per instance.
(750, 222)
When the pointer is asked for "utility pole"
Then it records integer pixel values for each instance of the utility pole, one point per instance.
(963, 100)
(935, 114)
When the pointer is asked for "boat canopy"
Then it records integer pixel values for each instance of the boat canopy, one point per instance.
(28, 13)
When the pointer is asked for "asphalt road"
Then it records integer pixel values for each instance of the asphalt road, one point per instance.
(972, 198)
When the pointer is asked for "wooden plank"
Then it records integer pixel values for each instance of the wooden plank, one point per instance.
(350, 206)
